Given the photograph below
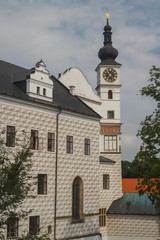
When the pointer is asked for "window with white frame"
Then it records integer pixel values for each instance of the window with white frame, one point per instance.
(110, 143)
(38, 90)
(44, 91)
(110, 114)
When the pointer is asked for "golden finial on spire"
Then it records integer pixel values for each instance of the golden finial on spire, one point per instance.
(107, 14)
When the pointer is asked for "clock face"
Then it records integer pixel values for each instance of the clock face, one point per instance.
(110, 75)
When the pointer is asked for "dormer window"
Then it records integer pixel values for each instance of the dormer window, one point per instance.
(39, 83)
(44, 92)
(38, 90)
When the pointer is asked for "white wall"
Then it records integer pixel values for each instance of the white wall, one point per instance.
(26, 117)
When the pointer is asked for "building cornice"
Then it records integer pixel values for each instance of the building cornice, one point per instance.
(110, 124)
(88, 99)
(43, 106)
(108, 85)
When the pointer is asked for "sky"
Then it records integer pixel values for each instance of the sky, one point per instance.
(69, 33)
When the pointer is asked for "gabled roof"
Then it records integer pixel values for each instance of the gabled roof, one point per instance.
(83, 88)
(133, 204)
(67, 101)
(13, 83)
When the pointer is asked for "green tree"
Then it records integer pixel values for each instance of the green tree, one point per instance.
(126, 169)
(15, 179)
(149, 133)
(16, 183)
(134, 169)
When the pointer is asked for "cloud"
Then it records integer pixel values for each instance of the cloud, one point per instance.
(70, 33)
(130, 144)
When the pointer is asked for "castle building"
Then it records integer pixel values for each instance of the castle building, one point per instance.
(75, 138)
(106, 102)
(64, 136)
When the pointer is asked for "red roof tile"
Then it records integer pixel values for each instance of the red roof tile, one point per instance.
(129, 185)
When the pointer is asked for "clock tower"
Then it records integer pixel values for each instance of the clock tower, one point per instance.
(107, 104)
(108, 89)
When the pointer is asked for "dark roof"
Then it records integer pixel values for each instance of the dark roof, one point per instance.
(66, 100)
(108, 53)
(109, 62)
(13, 83)
(104, 160)
(8, 73)
(133, 204)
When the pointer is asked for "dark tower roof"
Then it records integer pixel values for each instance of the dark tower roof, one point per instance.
(108, 53)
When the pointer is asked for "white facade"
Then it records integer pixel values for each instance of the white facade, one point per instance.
(74, 77)
(99, 103)
(109, 128)
(99, 171)
(39, 84)
(26, 116)
(31, 115)
(102, 90)
(132, 227)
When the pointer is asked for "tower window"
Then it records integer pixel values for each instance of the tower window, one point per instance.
(102, 217)
(105, 181)
(110, 114)
(110, 94)
(10, 138)
(77, 200)
(38, 90)
(110, 143)
(44, 91)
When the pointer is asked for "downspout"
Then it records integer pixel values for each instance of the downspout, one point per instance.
(56, 170)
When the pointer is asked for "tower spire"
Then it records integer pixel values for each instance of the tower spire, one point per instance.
(107, 32)
(107, 52)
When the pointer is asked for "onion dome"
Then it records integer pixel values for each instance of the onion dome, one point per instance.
(108, 53)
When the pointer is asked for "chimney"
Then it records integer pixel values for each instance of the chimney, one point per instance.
(72, 90)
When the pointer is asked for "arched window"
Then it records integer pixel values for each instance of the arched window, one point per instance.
(110, 94)
(77, 200)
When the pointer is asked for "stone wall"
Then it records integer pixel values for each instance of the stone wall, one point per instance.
(129, 227)
(107, 196)
(24, 116)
